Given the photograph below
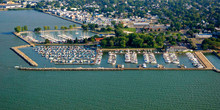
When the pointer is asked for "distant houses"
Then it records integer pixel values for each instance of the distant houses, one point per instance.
(102, 21)
(14, 5)
(10, 6)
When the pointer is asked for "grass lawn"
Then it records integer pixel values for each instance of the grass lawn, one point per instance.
(129, 29)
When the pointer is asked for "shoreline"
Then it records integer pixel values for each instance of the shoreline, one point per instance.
(199, 55)
(111, 69)
(60, 17)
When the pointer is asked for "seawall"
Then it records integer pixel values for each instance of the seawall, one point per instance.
(104, 69)
(20, 37)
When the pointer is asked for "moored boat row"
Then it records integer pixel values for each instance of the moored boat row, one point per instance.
(131, 57)
(152, 58)
(194, 60)
(170, 58)
(99, 57)
(112, 58)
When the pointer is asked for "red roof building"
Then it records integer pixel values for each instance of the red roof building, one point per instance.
(98, 39)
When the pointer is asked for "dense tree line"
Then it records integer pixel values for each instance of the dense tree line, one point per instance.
(137, 40)
(20, 29)
(211, 43)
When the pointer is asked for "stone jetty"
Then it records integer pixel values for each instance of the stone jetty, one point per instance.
(22, 55)
(103, 69)
(19, 36)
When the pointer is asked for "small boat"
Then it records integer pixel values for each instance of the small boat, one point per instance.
(144, 65)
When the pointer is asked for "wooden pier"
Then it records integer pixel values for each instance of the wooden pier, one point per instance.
(23, 56)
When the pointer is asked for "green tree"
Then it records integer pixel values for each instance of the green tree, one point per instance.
(109, 29)
(69, 41)
(55, 27)
(113, 22)
(48, 27)
(123, 43)
(103, 30)
(62, 27)
(22, 28)
(91, 26)
(76, 40)
(45, 27)
(93, 40)
(25, 28)
(46, 41)
(138, 42)
(70, 27)
(103, 43)
(84, 27)
(17, 29)
(85, 40)
(179, 39)
(38, 29)
(74, 25)
(28, 6)
(111, 43)
(119, 32)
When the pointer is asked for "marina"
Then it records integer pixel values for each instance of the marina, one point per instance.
(170, 58)
(55, 36)
(112, 58)
(81, 56)
(67, 54)
(194, 60)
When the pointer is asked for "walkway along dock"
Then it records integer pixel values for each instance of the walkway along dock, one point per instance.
(207, 64)
(22, 55)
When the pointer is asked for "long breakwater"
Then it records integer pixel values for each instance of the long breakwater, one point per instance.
(103, 69)
(23, 56)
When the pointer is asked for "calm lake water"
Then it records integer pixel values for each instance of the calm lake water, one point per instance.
(53, 90)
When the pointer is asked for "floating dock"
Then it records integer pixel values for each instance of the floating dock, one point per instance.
(23, 56)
